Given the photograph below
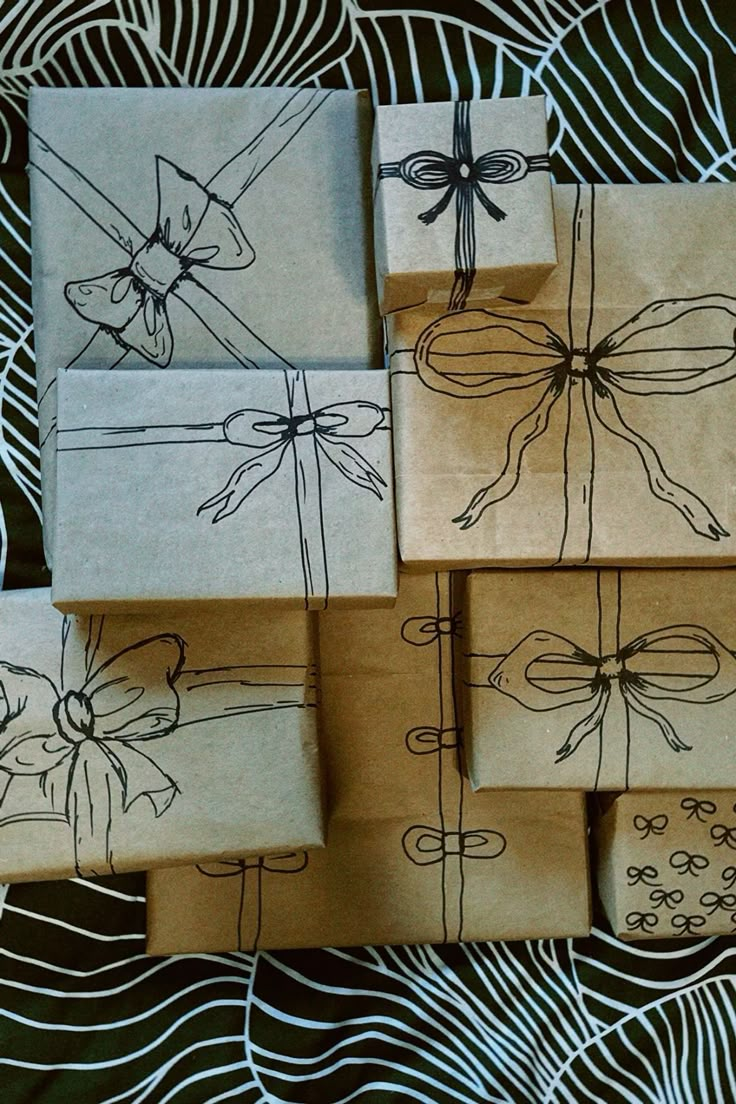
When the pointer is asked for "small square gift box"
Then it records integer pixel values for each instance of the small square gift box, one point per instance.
(223, 484)
(412, 855)
(666, 863)
(463, 204)
(186, 228)
(607, 680)
(128, 742)
(595, 425)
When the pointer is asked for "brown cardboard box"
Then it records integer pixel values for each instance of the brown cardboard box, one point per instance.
(195, 228)
(127, 742)
(463, 206)
(412, 855)
(224, 484)
(606, 680)
(594, 426)
(667, 864)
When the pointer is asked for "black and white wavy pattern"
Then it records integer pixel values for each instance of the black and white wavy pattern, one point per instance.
(638, 90)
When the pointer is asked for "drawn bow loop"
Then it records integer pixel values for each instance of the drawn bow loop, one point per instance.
(193, 228)
(425, 845)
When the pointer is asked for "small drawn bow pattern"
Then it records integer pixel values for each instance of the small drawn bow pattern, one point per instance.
(93, 734)
(669, 347)
(270, 433)
(546, 671)
(194, 229)
(462, 175)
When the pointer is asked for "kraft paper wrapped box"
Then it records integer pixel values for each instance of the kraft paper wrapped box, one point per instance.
(412, 856)
(223, 484)
(594, 426)
(463, 205)
(607, 680)
(127, 742)
(190, 227)
(666, 863)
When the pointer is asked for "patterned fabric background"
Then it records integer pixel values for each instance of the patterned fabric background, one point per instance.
(638, 90)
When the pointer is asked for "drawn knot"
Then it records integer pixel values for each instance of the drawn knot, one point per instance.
(611, 667)
(74, 717)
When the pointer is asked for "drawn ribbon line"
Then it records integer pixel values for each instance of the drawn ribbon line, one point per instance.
(95, 730)
(251, 873)
(669, 347)
(310, 436)
(546, 671)
(463, 177)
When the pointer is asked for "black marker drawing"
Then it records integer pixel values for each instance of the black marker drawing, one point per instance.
(447, 842)
(196, 229)
(82, 740)
(669, 347)
(721, 834)
(463, 176)
(644, 874)
(251, 873)
(316, 442)
(650, 826)
(641, 921)
(728, 877)
(678, 663)
(684, 862)
(713, 902)
(669, 898)
(687, 925)
(694, 807)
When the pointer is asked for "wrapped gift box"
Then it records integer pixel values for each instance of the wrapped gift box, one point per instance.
(666, 863)
(594, 426)
(182, 227)
(129, 742)
(412, 855)
(223, 484)
(463, 205)
(608, 680)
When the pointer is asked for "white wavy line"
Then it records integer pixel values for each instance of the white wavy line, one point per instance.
(447, 61)
(225, 35)
(726, 1041)
(106, 890)
(472, 64)
(171, 960)
(3, 894)
(202, 1076)
(689, 64)
(152, 1080)
(646, 1024)
(72, 927)
(413, 59)
(113, 991)
(237, 1091)
(393, 90)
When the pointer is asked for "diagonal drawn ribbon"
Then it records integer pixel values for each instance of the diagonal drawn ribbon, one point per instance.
(83, 742)
(251, 872)
(462, 176)
(669, 347)
(425, 845)
(311, 438)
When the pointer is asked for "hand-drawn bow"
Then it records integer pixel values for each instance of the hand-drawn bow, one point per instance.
(694, 807)
(650, 826)
(669, 347)
(251, 872)
(728, 877)
(546, 671)
(309, 436)
(425, 845)
(712, 902)
(641, 921)
(95, 731)
(463, 177)
(721, 834)
(669, 898)
(196, 229)
(684, 862)
(687, 925)
(644, 874)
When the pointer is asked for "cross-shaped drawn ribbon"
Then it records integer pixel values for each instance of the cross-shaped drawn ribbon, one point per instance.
(251, 871)
(193, 229)
(425, 845)
(669, 347)
(462, 176)
(679, 663)
(96, 731)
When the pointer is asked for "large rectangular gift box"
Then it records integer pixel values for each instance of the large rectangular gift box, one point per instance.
(593, 426)
(666, 863)
(608, 680)
(223, 484)
(463, 203)
(412, 855)
(183, 227)
(129, 742)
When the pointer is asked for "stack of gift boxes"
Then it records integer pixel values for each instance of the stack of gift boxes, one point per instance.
(230, 682)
